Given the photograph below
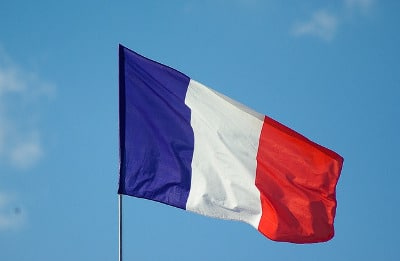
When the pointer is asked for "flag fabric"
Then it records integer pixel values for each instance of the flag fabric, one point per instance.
(188, 146)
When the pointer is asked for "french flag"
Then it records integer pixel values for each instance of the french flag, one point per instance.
(188, 146)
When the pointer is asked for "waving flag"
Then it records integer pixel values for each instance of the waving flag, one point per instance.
(188, 146)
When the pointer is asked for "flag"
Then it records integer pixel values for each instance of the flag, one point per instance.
(188, 146)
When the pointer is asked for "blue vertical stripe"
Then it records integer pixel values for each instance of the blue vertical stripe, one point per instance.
(156, 138)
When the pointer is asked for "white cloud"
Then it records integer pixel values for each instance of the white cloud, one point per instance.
(21, 94)
(362, 5)
(11, 215)
(25, 154)
(322, 24)
(9, 81)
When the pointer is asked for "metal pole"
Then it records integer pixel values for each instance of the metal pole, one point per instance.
(120, 227)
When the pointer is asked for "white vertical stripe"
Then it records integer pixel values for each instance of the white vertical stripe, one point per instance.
(226, 137)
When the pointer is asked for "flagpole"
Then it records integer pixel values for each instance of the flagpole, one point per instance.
(119, 227)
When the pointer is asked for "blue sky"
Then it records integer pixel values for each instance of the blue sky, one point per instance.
(330, 70)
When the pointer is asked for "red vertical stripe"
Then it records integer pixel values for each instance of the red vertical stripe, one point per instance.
(297, 179)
